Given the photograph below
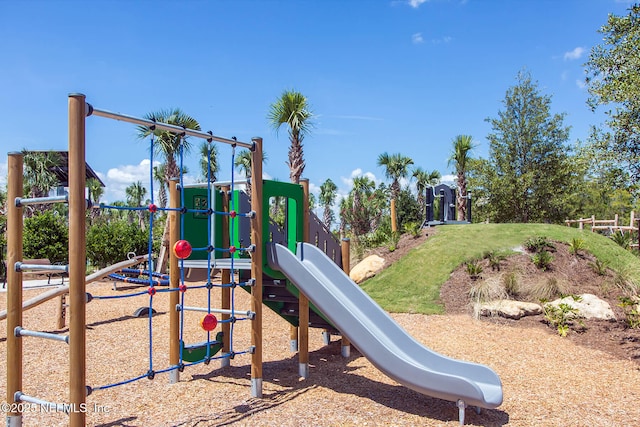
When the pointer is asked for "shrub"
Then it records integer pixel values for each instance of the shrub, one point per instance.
(413, 228)
(623, 280)
(542, 260)
(108, 243)
(487, 290)
(561, 317)
(577, 244)
(599, 267)
(631, 308)
(511, 285)
(494, 259)
(538, 244)
(547, 289)
(622, 239)
(46, 236)
(474, 269)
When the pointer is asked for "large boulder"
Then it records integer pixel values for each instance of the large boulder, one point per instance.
(589, 306)
(509, 308)
(368, 267)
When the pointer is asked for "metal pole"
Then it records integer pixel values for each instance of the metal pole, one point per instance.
(174, 282)
(225, 277)
(14, 287)
(165, 126)
(77, 260)
(256, 268)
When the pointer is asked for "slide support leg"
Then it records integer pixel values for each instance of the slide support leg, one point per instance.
(461, 406)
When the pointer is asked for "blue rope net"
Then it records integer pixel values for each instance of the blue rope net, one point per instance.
(152, 282)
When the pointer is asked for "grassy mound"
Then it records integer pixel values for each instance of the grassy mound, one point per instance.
(412, 285)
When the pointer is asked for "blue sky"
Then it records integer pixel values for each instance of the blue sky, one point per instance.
(381, 75)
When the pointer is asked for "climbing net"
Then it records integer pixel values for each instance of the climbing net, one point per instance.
(209, 349)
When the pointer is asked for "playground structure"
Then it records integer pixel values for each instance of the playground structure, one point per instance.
(310, 281)
(445, 197)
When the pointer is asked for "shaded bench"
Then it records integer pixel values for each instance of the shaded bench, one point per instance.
(49, 273)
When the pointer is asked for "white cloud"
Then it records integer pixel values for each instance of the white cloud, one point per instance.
(118, 179)
(581, 83)
(417, 38)
(442, 40)
(416, 3)
(356, 173)
(448, 179)
(574, 54)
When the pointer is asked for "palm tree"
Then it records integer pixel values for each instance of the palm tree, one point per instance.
(243, 163)
(327, 198)
(39, 178)
(160, 176)
(209, 161)
(96, 190)
(292, 108)
(462, 144)
(424, 180)
(167, 144)
(135, 195)
(396, 167)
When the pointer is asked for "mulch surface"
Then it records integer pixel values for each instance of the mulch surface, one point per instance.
(587, 379)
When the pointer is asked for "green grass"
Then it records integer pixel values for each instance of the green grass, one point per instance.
(412, 285)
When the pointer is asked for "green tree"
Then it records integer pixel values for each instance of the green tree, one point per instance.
(39, 178)
(328, 192)
(528, 172)
(96, 190)
(424, 180)
(160, 177)
(46, 236)
(209, 161)
(110, 242)
(613, 79)
(396, 167)
(135, 195)
(462, 144)
(361, 212)
(292, 109)
(167, 144)
(408, 209)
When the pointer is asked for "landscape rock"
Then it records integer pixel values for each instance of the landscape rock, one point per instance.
(368, 267)
(509, 308)
(589, 306)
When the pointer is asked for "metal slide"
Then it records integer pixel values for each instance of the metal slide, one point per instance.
(378, 337)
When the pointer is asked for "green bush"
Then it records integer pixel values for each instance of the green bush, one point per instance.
(538, 244)
(108, 243)
(542, 260)
(46, 235)
(577, 245)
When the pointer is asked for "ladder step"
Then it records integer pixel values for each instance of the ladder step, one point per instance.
(21, 332)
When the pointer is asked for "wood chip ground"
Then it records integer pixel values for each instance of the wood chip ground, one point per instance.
(547, 380)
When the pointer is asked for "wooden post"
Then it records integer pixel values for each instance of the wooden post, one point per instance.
(256, 268)
(77, 261)
(174, 281)
(303, 301)
(226, 278)
(346, 267)
(394, 223)
(14, 287)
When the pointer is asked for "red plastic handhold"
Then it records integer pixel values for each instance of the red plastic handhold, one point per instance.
(182, 288)
(182, 249)
(151, 290)
(232, 249)
(209, 322)
(153, 208)
(233, 214)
